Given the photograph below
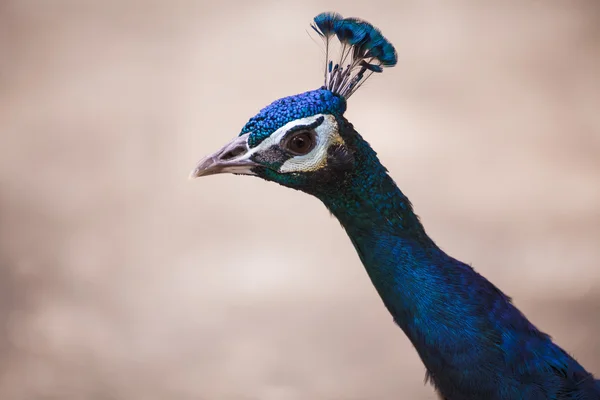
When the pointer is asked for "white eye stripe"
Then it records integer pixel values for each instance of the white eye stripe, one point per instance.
(301, 128)
(279, 134)
(326, 135)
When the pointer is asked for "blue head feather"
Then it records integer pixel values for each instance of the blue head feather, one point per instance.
(325, 22)
(371, 67)
(368, 40)
(351, 31)
(389, 58)
(286, 109)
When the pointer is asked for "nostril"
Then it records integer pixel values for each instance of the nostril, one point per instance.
(239, 150)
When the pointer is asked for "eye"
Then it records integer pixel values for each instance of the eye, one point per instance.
(300, 143)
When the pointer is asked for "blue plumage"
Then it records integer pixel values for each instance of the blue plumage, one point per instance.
(474, 343)
(287, 109)
(352, 31)
(324, 23)
(363, 49)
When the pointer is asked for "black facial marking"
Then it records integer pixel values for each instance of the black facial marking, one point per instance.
(339, 157)
(308, 127)
(272, 157)
(340, 162)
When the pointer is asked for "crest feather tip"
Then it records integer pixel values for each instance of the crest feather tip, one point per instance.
(363, 51)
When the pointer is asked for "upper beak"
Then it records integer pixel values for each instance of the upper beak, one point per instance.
(234, 157)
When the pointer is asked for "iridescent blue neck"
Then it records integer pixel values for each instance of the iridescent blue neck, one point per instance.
(422, 287)
(368, 195)
(388, 236)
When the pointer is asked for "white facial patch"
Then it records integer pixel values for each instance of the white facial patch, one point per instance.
(326, 134)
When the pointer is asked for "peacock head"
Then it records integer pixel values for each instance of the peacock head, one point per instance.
(304, 141)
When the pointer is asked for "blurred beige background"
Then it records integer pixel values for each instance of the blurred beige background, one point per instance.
(121, 279)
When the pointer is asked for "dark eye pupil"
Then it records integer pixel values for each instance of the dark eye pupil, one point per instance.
(301, 143)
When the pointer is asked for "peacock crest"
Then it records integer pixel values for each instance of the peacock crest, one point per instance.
(362, 50)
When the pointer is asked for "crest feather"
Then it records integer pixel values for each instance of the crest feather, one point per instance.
(324, 23)
(363, 51)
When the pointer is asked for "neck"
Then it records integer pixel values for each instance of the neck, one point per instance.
(429, 294)
(388, 236)
(461, 325)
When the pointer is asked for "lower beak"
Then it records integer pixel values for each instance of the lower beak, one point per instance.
(233, 158)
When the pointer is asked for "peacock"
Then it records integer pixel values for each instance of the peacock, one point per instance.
(474, 343)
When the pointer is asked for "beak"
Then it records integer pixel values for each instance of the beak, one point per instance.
(234, 158)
